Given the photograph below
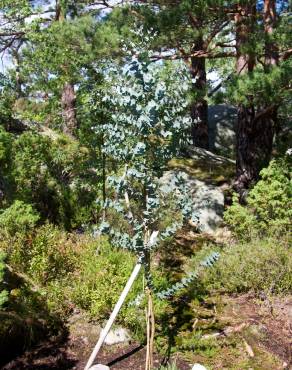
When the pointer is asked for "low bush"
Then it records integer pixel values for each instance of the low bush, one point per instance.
(18, 218)
(70, 271)
(171, 366)
(101, 276)
(3, 292)
(269, 204)
(260, 265)
(52, 254)
(54, 173)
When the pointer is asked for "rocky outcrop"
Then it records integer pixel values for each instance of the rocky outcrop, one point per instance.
(207, 175)
(207, 200)
(222, 120)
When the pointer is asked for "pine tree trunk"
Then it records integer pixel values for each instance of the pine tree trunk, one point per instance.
(68, 97)
(68, 101)
(2, 191)
(256, 127)
(270, 18)
(254, 145)
(18, 79)
(199, 108)
(247, 137)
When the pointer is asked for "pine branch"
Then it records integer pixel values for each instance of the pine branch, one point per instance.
(217, 29)
(8, 34)
(197, 54)
(284, 55)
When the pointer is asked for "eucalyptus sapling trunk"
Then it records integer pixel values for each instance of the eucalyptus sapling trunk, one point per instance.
(103, 156)
(150, 321)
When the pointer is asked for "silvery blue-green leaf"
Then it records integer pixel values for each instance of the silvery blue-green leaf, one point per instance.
(139, 148)
(104, 227)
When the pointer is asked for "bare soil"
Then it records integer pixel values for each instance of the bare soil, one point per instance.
(260, 329)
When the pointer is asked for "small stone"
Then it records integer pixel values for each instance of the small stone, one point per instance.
(198, 367)
(99, 367)
(118, 335)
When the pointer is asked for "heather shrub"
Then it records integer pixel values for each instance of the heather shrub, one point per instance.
(258, 265)
(269, 204)
(18, 218)
(3, 292)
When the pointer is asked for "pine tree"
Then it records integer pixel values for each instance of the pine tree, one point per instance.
(53, 53)
(259, 83)
(190, 31)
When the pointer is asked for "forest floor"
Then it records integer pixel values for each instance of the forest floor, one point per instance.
(240, 332)
(253, 335)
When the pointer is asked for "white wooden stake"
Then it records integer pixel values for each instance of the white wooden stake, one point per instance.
(113, 316)
(117, 308)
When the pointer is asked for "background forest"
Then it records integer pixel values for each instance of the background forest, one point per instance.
(125, 120)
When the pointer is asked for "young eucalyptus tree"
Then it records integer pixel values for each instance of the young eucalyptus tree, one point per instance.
(145, 129)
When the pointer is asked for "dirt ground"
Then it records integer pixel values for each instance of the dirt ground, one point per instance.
(260, 329)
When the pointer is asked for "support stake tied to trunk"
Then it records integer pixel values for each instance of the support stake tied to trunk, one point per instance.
(118, 306)
(113, 316)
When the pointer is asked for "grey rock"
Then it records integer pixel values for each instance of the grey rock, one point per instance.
(198, 367)
(99, 367)
(208, 156)
(118, 335)
(207, 201)
(80, 326)
(222, 121)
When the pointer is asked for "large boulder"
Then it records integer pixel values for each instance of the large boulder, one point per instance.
(222, 121)
(207, 200)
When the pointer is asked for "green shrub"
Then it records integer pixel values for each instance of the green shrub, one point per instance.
(18, 218)
(260, 265)
(3, 292)
(46, 258)
(5, 147)
(68, 270)
(55, 174)
(102, 274)
(71, 270)
(269, 204)
(52, 254)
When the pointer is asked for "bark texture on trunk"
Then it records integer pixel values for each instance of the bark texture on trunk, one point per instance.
(254, 145)
(68, 97)
(2, 187)
(270, 18)
(18, 79)
(256, 125)
(199, 108)
(248, 137)
(68, 101)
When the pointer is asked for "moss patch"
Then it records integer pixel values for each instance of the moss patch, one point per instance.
(205, 170)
